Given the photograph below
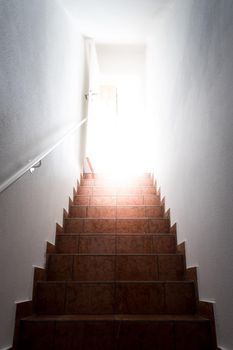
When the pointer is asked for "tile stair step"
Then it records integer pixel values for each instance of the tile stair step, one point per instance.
(116, 211)
(117, 199)
(128, 180)
(113, 233)
(121, 297)
(114, 254)
(86, 267)
(117, 317)
(153, 243)
(101, 190)
(115, 332)
(106, 177)
(110, 182)
(119, 225)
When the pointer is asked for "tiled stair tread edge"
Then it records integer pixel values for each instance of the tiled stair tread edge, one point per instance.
(101, 183)
(114, 184)
(116, 317)
(126, 234)
(118, 234)
(117, 206)
(146, 173)
(118, 218)
(113, 193)
(118, 195)
(117, 282)
(115, 254)
(137, 185)
(106, 176)
(118, 190)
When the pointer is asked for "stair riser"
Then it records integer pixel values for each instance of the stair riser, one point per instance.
(119, 298)
(115, 335)
(114, 212)
(110, 268)
(99, 176)
(117, 225)
(97, 191)
(102, 182)
(111, 244)
(117, 200)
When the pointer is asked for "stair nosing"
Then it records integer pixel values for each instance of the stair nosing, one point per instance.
(117, 195)
(116, 205)
(116, 317)
(117, 282)
(116, 254)
(118, 218)
(118, 234)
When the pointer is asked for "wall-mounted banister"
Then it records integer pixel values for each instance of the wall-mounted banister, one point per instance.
(37, 160)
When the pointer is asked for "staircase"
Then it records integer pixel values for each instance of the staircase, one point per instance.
(115, 279)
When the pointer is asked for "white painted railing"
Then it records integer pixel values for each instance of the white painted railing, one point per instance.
(37, 160)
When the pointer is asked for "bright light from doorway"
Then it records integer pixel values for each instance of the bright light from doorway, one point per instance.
(117, 139)
(118, 143)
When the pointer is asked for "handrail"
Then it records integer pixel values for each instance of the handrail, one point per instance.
(36, 160)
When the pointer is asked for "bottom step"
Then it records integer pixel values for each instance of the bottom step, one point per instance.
(115, 332)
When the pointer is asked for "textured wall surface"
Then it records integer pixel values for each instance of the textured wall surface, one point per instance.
(190, 85)
(41, 97)
(40, 79)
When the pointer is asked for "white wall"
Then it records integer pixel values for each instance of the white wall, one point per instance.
(40, 79)
(29, 211)
(121, 59)
(190, 94)
(41, 97)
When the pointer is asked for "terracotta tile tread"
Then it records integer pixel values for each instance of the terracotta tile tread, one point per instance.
(117, 199)
(114, 234)
(117, 254)
(116, 218)
(118, 195)
(144, 234)
(115, 317)
(106, 176)
(99, 182)
(117, 187)
(119, 217)
(116, 282)
(116, 225)
(118, 205)
(101, 191)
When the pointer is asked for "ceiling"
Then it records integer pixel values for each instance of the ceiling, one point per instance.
(115, 21)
